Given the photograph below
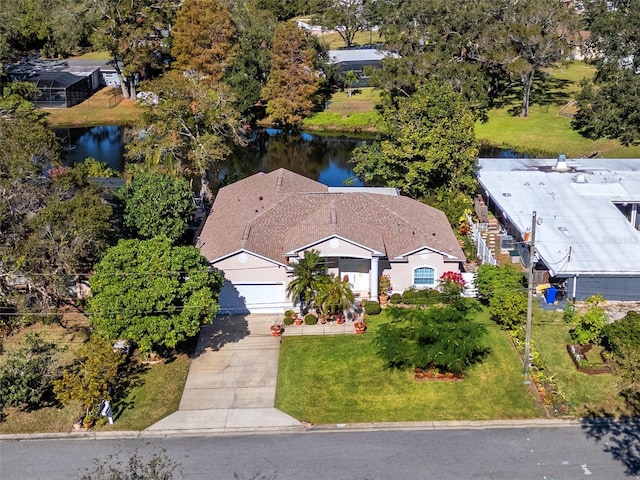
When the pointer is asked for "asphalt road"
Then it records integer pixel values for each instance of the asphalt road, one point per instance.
(516, 453)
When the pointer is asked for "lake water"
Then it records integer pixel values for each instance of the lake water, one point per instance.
(325, 158)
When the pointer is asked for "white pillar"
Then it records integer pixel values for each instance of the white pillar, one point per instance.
(634, 214)
(373, 278)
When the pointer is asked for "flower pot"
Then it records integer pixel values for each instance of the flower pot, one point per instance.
(298, 321)
(383, 299)
(276, 330)
(360, 327)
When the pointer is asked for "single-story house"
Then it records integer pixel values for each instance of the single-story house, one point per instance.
(259, 226)
(360, 61)
(64, 83)
(587, 236)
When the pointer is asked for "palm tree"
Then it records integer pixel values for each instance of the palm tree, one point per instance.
(335, 296)
(308, 277)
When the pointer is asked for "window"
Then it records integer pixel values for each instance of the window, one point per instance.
(424, 277)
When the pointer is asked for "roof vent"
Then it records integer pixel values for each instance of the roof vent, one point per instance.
(580, 178)
(561, 164)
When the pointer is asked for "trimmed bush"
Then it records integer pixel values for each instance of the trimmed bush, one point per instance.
(395, 298)
(288, 320)
(289, 313)
(426, 296)
(310, 319)
(372, 308)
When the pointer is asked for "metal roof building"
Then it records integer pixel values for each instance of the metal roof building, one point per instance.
(588, 210)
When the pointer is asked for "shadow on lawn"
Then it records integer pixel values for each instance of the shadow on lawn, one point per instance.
(621, 436)
(547, 91)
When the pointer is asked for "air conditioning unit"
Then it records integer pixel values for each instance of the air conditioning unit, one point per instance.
(506, 243)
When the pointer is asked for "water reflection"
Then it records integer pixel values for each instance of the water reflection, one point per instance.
(322, 158)
(104, 143)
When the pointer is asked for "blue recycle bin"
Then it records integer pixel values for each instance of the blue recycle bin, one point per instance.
(550, 294)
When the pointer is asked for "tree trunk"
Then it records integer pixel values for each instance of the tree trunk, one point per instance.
(205, 190)
(527, 83)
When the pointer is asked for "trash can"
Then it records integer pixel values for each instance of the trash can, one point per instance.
(550, 294)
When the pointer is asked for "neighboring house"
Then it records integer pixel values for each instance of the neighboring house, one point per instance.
(64, 83)
(261, 224)
(360, 60)
(587, 234)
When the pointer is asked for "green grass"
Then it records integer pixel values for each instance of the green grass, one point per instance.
(157, 395)
(103, 55)
(550, 335)
(95, 111)
(547, 130)
(336, 379)
(347, 114)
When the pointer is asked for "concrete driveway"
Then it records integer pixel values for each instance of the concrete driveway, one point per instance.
(232, 380)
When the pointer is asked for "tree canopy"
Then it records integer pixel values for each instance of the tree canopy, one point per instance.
(608, 106)
(153, 293)
(294, 81)
(427, 143)
(187, 128)
(203, 38)
(157, 204)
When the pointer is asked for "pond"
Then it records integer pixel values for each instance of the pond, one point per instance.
(322, 157)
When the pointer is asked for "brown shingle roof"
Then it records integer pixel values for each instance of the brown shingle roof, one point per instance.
(275, 213)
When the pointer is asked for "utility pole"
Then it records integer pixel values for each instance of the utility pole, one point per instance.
(527, 337)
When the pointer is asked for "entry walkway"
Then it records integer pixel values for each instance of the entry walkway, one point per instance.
(231, 385)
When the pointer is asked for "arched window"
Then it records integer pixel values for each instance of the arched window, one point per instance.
(424, 277)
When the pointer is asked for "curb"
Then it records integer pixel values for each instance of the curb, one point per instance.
(302, 428)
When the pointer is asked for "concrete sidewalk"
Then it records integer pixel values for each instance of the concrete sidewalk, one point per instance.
(231, 385)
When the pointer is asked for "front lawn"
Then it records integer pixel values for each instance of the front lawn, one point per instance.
(153, 392)
(336, 379)
(584, 392)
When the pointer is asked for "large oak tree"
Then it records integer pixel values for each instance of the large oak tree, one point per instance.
(153, 293)
(608, 106)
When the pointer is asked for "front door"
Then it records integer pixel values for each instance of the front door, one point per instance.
(357, 270)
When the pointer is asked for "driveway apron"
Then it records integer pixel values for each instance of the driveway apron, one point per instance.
(231, 384)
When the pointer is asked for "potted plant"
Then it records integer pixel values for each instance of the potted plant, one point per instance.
(276, 329)
(384, 288)
(297, 320)
(360, 325)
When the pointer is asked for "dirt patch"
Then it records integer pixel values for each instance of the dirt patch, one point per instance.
(614, 310)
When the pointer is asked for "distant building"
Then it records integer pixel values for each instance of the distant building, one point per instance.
(64, 83)
(360, 61)
(588, 220)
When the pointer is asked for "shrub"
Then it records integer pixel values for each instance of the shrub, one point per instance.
(569, 313)
(508, 308)
(289, 313)
(288, 320)
(491, 278)
(442, 337)
(623, 333)
(590, 325)
(26, 376)
(310, 319)
(408, 296)
(372, 308)
(395, 298)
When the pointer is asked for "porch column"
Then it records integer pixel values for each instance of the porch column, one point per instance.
(373, 278)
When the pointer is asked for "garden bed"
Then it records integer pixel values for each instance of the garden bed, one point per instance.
(578, 354)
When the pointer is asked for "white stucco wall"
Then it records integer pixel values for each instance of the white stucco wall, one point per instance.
(246, 267)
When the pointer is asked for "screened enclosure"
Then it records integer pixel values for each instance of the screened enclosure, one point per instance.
(60, 89)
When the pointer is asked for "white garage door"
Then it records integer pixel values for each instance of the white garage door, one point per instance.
(253, 298)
